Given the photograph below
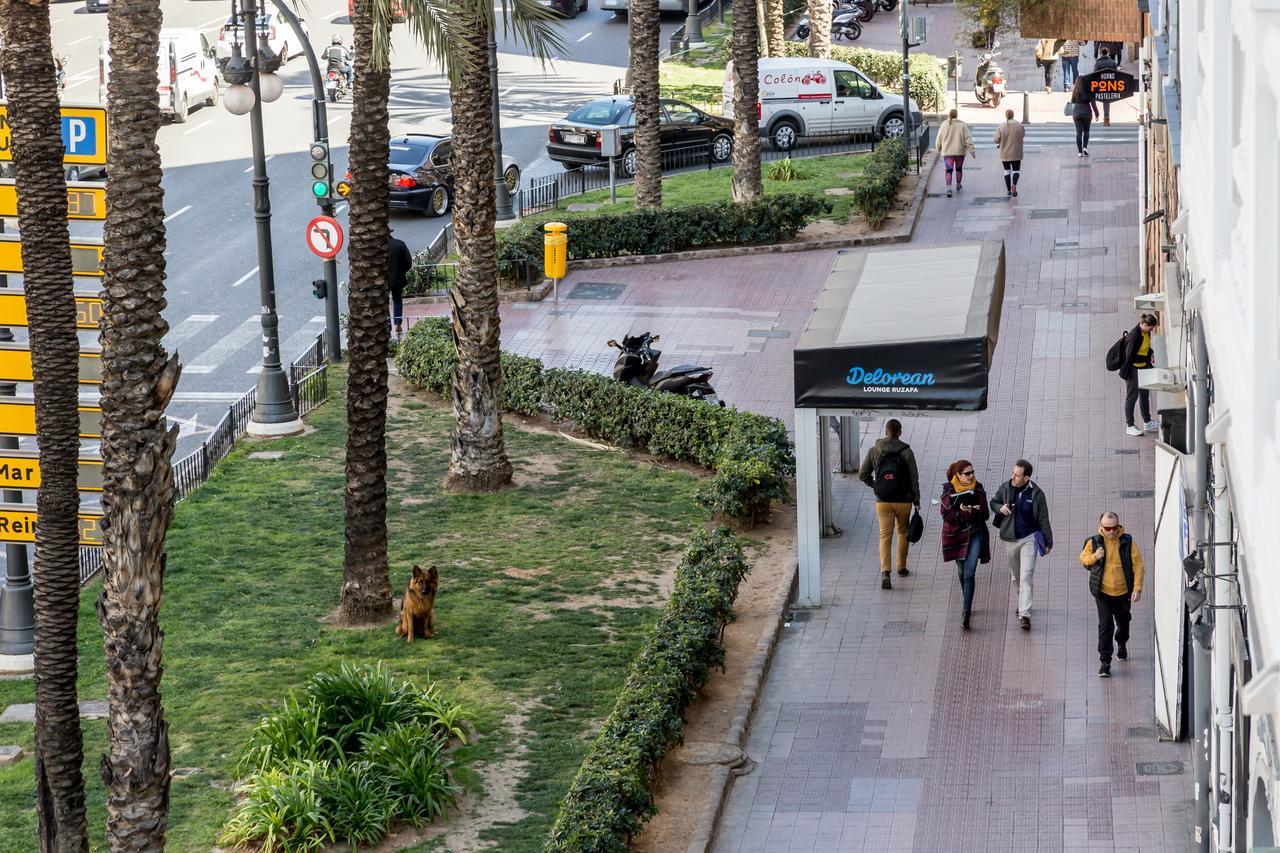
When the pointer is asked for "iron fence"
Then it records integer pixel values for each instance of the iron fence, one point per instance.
(309, 378)
(442, 244)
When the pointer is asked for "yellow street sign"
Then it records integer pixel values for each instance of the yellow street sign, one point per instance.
(13, 310)
(86, 256)
(20, 469)
(84, 134)
(84, 200)
(15, 365)
(18, 524)
(18, 417)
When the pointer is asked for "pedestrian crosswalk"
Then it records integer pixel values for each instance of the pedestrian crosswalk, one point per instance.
(1058, 134)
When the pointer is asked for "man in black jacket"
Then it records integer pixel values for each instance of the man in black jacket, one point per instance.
(1138, 356)
(1105, 62)
(1021, 512)
(399, 260)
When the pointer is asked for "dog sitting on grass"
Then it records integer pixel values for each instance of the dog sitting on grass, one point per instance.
(417, 610)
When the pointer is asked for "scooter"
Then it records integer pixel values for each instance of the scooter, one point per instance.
(335, 85)
(989, 83)
(637, 365)
(847, 26)
(887, 5)
(846, 21)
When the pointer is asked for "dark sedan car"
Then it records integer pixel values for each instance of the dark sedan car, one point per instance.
(575, 139)
(419, 176)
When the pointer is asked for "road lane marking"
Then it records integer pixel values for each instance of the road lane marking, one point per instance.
(270, 157)
(187, 329)
(177, 213)
(245, 277)
(297, 342)
(342, 208)
(336, 117)
(335, 16)
(508, 92)
(199, 126)
(584, 38)
(77, 41)
(244, 334)
(81, 83)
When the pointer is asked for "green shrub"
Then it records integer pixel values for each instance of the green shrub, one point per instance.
(654, 232)
(884, 68)
(748, 480)
(875, 194)
(654, 421)
(425, 276)
(610, 797)
(787, 169)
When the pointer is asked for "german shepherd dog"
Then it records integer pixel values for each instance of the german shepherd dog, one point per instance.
(417, 610)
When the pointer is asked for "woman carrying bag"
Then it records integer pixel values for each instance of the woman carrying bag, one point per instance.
(964, 528)
(1083, 111)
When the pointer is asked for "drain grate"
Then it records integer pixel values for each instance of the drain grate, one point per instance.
(1087, 252)
(902, 629)
(1142, 731)
(1053, 457)
(1125, 451)
(768, 333)
(1127, 494)
(597, 290)
(991, 199)
(934, 195)
(1049, 213)
(1075, 304)
(1115, 159)
(1160, 768)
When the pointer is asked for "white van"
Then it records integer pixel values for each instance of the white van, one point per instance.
(820, 96)
(188, 72)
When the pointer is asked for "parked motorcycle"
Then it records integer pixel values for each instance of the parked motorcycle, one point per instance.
(335, 85)
(637, 364)
(989, 81)
(846, 19)
(846, 26)
(887, 5)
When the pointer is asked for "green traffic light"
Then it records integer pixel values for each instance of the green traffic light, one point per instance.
(320, 189)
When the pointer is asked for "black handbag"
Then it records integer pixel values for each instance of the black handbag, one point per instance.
(915, 527)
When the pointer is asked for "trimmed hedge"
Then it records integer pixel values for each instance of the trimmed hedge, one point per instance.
(610, 797)
(884, 68)
(874, 195)
(655, 421)
(649, 232)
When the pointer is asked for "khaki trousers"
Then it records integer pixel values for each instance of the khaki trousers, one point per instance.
(891, 516)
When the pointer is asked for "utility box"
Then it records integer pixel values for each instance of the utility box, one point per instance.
(611, 141)
(917, 34)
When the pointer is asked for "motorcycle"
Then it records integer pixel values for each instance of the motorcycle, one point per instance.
(846, 20)
(335, 85)
(887, 5)
(989, 82)
(637, 365)
(847, 26)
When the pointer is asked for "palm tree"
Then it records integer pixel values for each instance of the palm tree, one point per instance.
(762, 23)
(33, 112)
(747, 185)
(775, 27)
(137, 448)
(645, 23)
(366, 582)
(820, 29)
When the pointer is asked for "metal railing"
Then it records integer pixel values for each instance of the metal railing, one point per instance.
(442, 244)
(308, 386)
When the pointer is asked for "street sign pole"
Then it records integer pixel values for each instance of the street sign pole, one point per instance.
(17, 596)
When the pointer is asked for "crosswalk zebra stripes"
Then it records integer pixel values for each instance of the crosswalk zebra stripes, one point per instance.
(1040, 136)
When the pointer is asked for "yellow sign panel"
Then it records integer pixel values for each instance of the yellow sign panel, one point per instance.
(84, 200)
(13, 310)
(18, 417)
(84, 134)
(18, 524)
(20, 469)
(86, 256)
(15, 365)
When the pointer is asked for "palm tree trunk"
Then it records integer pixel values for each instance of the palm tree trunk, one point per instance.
(747, 185)
(645, 23)
(137, 448)
(479, 456)
(366, 583)
(820, 29)
(776, 27)
(33, 111)
(762, 18)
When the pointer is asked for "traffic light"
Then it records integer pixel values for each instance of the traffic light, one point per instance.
(321, 173)
(319, 288)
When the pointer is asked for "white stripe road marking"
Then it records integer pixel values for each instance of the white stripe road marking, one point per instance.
(508, 92)
(209, 360)
(201, 126)
(82, 82)
(336, 117)
(187, 329)
(584, 38)
(242, 279)
(177, 213)
(296, 343)
(77, 41)
(270, 157)
(335, 16)
(342, 208)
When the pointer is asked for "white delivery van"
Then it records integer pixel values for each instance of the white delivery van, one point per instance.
(188, 72)
(802, 96)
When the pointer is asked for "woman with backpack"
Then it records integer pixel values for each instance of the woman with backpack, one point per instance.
(964, 528)
(890, 470)
(1138, 356)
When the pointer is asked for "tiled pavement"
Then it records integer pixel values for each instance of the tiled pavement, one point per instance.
(882, 726)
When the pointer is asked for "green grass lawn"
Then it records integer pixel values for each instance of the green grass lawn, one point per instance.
(702, 86)
(546, 590)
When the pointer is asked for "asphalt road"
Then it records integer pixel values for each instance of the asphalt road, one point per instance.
(211, 243)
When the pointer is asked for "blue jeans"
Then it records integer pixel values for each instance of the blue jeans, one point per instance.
(967, 568)
(397, 307)
(1070, 71)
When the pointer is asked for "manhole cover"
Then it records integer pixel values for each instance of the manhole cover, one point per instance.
(597, 290)
(1088, 252)
(1160, 768)
(1126, 494)
(708, 752)
(1049, 213)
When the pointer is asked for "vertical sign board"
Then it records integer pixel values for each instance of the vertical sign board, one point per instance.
(84, 134)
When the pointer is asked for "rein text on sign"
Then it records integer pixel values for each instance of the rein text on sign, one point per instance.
(84, 134)
(18, 524)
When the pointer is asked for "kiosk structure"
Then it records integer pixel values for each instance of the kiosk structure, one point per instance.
(902, 332)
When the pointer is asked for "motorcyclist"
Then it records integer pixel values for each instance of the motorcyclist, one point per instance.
(338, 58)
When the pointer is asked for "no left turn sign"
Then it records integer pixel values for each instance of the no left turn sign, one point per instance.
(324, 237)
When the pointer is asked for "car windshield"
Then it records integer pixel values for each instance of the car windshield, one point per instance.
(600, 112)
(409, 155)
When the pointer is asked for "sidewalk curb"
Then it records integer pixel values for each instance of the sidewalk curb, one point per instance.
(704, 833)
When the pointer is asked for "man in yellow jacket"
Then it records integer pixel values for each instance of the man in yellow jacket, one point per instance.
(1115, 580)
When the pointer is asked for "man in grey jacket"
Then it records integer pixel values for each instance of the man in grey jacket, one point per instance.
(890, 470)
(1021, 512)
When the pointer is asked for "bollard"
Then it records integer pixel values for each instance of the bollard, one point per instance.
(1026, 108)
(555, 254)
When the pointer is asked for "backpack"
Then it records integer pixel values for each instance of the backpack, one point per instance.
(1115, 355)
(892, 482)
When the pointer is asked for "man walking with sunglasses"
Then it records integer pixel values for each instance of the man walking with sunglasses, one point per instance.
(1115, 581)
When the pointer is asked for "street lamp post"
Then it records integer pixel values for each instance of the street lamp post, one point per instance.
(17, 595)
(693, 28)
(502, 196)
(274, 414)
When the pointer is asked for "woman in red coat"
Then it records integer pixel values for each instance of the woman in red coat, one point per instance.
(964, 527)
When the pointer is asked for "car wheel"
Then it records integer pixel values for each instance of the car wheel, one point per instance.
(573, 10)
(784, 136)
(512, 178)
(181, 110)
(721, 148)
(629, 163)
(893, 127)
(212, 100)
(802, 32)
(438, 204)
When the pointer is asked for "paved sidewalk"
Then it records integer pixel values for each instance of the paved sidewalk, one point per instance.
(882, 726)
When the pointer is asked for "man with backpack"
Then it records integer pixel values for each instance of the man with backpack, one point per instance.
(1115, 581)
(890, 470)
(1020, 511)
(1127, 356)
